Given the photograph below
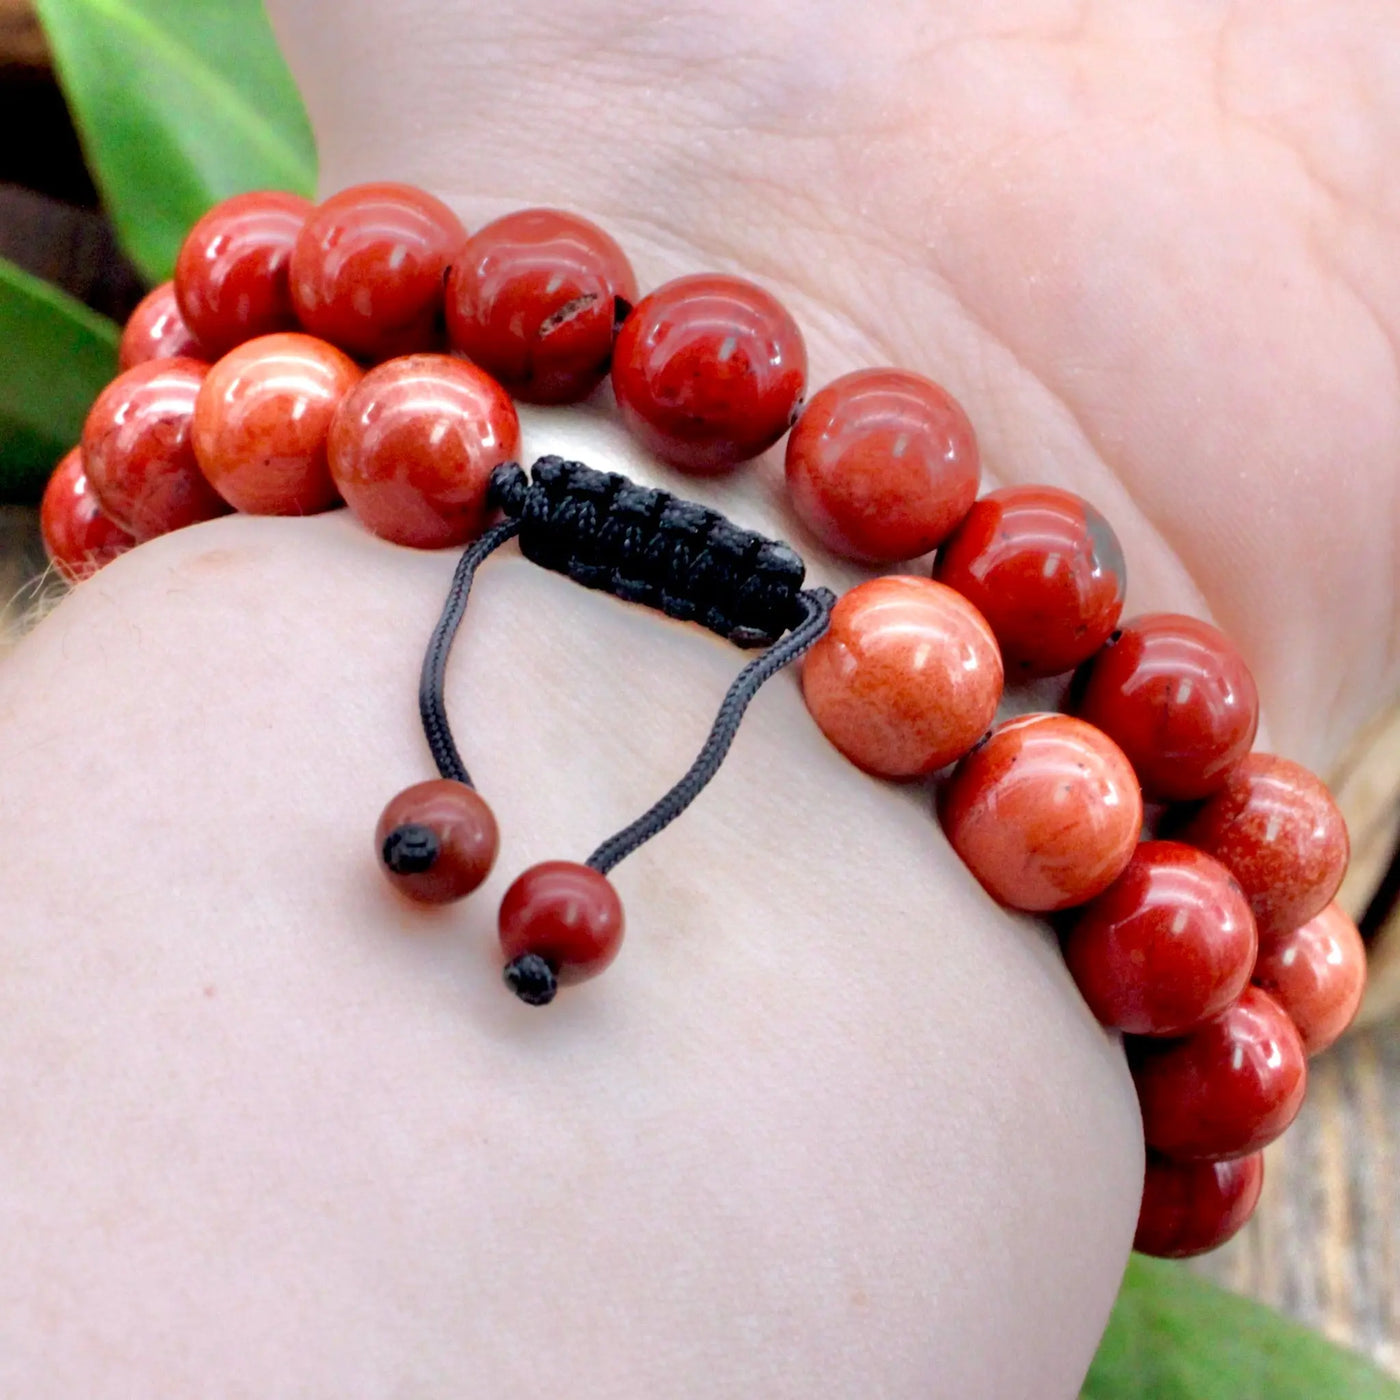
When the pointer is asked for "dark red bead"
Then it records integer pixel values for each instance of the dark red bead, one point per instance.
(1046, 571)
(157, 331)
(1045, 812)
(231, 274)
(567, 915)
(1175, 695)
(138, 450)
(263, 418)
(709, 371)
(413, 445)
(1227, 1089)
(1191, 1207)
(1317, 973)
(1168, 945)
(882, 465)
(78, 535)
(368, 268)
(533, 299)
(437, 841)
(1277, 829)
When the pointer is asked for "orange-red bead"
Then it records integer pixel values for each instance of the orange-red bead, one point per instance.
(1227, 1089)
(709, 371)
(437, 841)
(1169, 944)
(906, 679)
(78, 535)
(1045, 813)
(413, 445)
(262, 421)
(1191, 1207)
(533, 298)
(564, 914)
(1317, 973)
(231, 273)
(882, 465)
(1046, 571)
(138, 452)
(1277, 829)
(157, 331)
(1175, 695)
(368, 269)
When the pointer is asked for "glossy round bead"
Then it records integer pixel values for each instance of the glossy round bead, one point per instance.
(1045, 813)
(413, 445)
(436, 841)
(906, 679)
(1317, 973)
(262, 421)
(138, 451)
(1169, 944)
(368, 268)
(1046, 571)
(564, 914)
(533, 299)
(709, 371)
(157, 331)
(1276, 827)
(1176, 696)
(78, 535)
(1191, 1207)
(231, 274)
(1227, 1089)
(882, 465)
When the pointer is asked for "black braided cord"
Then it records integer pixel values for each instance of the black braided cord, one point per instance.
(649, 547)
(817, 603)
(431, 705)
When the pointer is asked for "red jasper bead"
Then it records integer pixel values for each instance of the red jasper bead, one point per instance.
(1168, 945)
(533, 299)
(709, 371)
(560, 921)
(1046, 571)
(413, 445)
(231, 273)
(906, 679)
(1277, 829)
(157, 331)
(1045, 813)
(1227, 1089)
(1176, 696)
(262, 421)
(437, 841)
(368, 268)
(1191, 1207)
(1317, 974)
(78, 535)
(882, 465)
(138, 451)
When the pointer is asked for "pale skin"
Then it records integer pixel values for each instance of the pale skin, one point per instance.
(833, 1125)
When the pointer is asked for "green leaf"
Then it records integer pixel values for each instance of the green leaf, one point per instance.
(1174, 1336)
(180, 103)
(55, 358)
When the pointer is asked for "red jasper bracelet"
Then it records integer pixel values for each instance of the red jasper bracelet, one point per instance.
(367, 350)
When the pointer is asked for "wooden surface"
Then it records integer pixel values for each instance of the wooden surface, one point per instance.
(1324, 1246)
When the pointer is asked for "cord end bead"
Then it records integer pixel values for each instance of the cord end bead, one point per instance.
(532, 979)
(436, 841)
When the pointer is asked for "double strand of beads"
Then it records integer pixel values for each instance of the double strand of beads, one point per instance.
(368, 350)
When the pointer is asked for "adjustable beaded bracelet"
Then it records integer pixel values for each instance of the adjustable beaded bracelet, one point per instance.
(1213, 944)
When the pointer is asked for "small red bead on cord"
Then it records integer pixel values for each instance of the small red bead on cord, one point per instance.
(156, 330)
(437, 841)
(78, 535)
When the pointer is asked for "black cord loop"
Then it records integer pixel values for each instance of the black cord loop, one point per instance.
(649, 547)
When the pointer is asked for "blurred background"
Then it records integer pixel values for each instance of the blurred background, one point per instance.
(1324, 1247)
